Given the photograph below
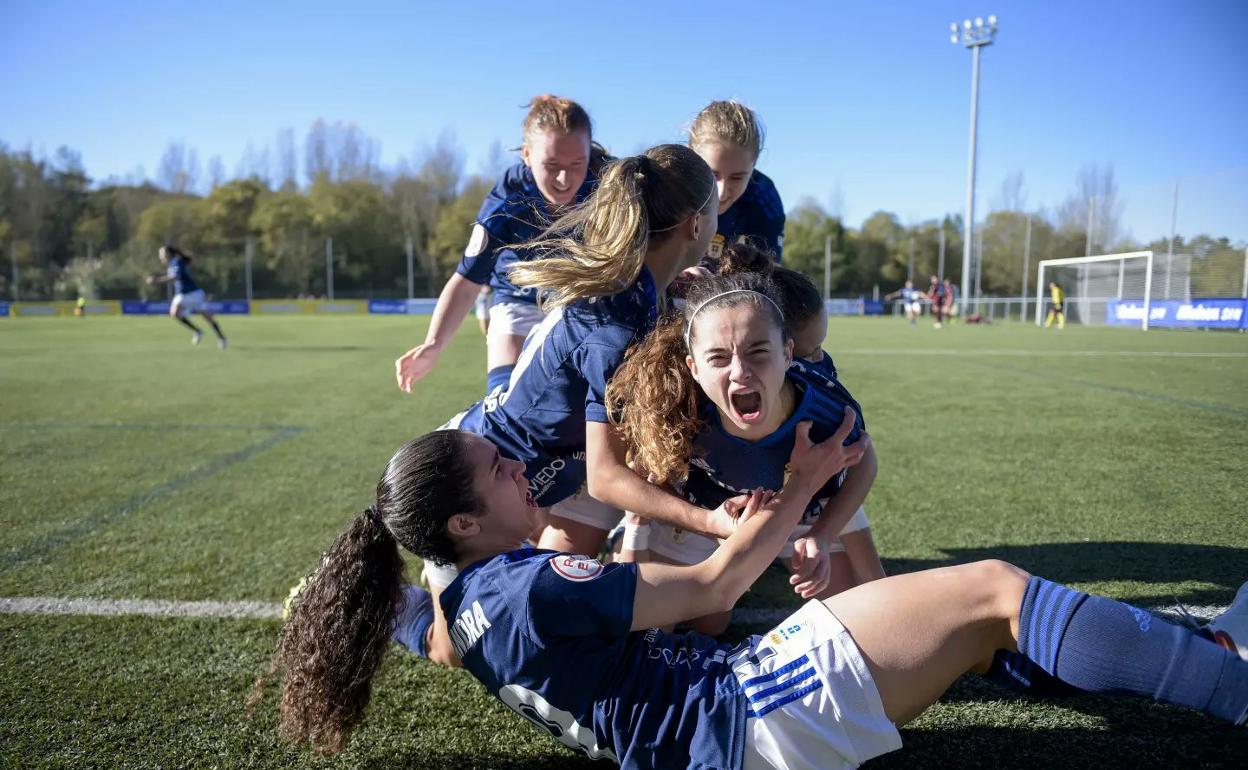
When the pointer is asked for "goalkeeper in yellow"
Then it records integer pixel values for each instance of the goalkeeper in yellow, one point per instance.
(1057, 299)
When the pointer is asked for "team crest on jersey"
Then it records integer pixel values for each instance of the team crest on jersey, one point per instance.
(478, 241)
(578, 569)
(717, 246)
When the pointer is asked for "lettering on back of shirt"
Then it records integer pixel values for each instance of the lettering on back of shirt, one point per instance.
(468, 628)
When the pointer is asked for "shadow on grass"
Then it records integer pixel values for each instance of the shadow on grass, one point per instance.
(1222, 566)
(1125, 732)
(479, 760)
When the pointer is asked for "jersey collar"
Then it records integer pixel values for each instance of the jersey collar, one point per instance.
(805, 394)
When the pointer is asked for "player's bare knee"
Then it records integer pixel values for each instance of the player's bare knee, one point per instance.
(1001, 585)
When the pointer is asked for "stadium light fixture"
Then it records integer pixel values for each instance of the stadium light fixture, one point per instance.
(974, 36)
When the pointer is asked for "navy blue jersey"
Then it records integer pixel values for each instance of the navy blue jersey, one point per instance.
(514, 212)
(559, 383)
(181, 275)
(724, 465)
(824, 366)
(911, 295)
(758, 215)
(548, 635)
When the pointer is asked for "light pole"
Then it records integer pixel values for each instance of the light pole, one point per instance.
(974, 36)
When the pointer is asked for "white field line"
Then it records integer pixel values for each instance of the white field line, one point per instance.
(1012, 353)
(155, 608)
(252, 610)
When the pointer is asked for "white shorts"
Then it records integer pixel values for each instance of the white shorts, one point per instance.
(514, 318)
(191, 302)
(685, 547)
(586, 510)
(811, 701)
(914, 307)
(482, 306)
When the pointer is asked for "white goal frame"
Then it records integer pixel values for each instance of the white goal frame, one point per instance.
(1120, 258)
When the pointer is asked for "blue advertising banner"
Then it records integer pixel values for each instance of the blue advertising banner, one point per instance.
(844, 306)
(1218, 313)
(387, 306)
(4, 309)
(873, 307)
(161, 307)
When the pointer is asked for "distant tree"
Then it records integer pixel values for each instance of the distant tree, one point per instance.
(290, 240)
(454, 225)
(806, 229)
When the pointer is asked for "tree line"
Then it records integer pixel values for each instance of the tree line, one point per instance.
(65, 236)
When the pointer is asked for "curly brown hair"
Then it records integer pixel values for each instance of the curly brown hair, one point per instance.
(339, 630)
(653, 399)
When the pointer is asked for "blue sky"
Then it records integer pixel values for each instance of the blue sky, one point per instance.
(868, 98)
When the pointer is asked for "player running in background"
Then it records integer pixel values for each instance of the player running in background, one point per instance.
(570, 643)
(187, 296)
(729, 137)
(558, 168)
(1057, 298)
(911, 301)
(709, 404)
(951, 301)
(936, 296)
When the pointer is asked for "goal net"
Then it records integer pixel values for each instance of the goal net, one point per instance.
(1107, 288)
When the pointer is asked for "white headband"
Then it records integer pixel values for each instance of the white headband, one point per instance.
(705, 302)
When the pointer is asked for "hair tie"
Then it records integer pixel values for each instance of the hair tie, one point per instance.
(372, 514)
(704, 303)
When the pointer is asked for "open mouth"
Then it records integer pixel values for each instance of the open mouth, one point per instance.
(528, 499)
(747, 405)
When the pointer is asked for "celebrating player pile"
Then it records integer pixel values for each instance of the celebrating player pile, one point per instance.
(703, 424)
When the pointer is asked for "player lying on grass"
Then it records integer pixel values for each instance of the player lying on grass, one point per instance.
(709, 404)
(570, 644)
(559, 167)
(187, 296)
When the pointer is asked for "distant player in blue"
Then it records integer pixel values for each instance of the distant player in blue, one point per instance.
(187, 296)
(710, 403)
(911, 301)
(728, 136)
(570, 644)
(559, 167)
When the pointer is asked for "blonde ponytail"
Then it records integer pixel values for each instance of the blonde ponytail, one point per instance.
(599, 247)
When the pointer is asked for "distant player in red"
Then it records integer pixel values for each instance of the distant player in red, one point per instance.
(936, 295)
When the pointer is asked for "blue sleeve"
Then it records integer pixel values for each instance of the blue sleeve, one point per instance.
(477, 264)
(597, 362)
(578, 596)
(489, 234)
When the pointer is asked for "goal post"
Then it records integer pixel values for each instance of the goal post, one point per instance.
(1099, 280)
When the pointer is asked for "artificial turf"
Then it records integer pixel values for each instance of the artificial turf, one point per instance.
(133, 465)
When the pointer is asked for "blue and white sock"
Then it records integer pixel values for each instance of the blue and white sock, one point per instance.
(1100, 645)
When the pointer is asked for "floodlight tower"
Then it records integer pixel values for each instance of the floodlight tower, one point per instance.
(974, 36)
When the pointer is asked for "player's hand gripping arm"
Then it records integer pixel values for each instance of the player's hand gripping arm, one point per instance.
(611, 481)
(667, 594)
(456, 300)
(812, 567)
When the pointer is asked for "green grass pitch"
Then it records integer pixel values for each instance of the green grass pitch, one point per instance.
(135, 466)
